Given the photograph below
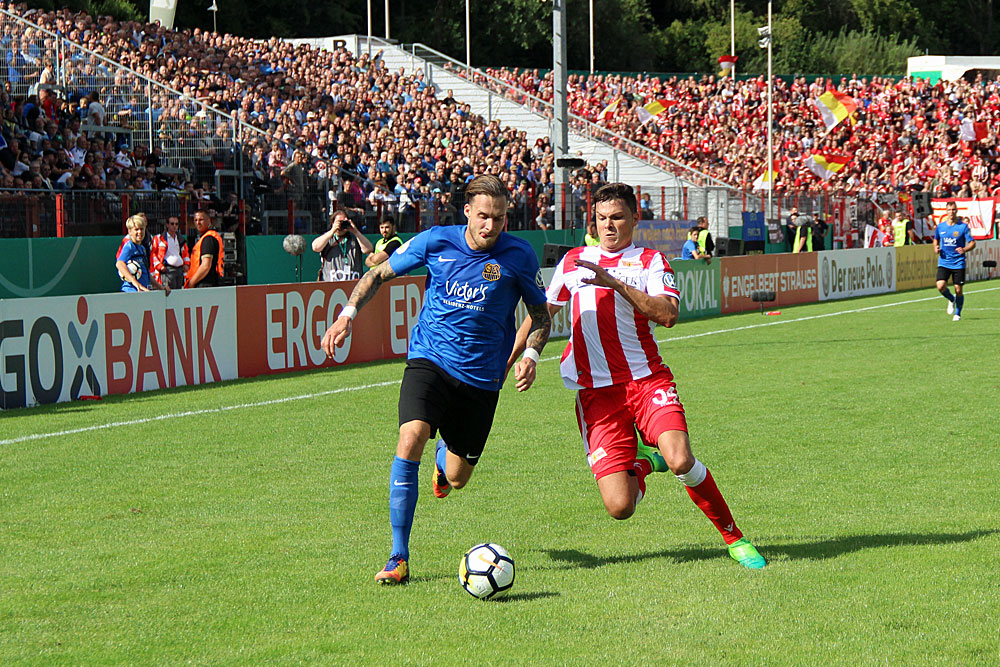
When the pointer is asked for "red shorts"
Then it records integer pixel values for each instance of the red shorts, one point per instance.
(609, 416)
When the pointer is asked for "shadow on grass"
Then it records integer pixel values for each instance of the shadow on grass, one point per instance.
(526, 597)
(818, 550)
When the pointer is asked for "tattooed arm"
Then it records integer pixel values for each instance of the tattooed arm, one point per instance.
(533, 334)
(362, 294)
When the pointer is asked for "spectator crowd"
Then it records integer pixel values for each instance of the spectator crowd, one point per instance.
(905, 136)
(307, 121)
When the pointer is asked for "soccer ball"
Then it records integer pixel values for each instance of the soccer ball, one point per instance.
(135, 268)
(486, 571)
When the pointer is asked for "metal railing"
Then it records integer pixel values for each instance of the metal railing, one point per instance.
(580, 126)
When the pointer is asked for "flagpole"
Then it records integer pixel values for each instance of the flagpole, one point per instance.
(770, 112)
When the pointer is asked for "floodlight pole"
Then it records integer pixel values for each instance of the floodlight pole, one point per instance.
(387, 20)
(770, 115)
(560, 134)
(468, 42)
(369, 42)
(591, 37)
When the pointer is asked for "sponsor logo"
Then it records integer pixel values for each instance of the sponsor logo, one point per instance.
(598, 454)
(396, 482)
(825, 276)
(669, 280)
(538, 280)
(84, 349)
(446, 259)
(491, 272)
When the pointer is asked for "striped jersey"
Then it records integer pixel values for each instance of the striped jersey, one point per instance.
(610, 342)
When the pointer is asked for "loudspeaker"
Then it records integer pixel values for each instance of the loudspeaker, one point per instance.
(552, 253)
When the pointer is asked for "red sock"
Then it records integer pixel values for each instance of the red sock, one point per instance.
(642, 468)
(709, 500)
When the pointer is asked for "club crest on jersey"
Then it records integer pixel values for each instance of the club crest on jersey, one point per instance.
(955, 234)
(491, 272)
(668, 280)
(630, 263)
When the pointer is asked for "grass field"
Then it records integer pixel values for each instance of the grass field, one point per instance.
(857, 443)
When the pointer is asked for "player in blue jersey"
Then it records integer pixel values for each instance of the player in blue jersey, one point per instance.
(459, 349)
(952, 241)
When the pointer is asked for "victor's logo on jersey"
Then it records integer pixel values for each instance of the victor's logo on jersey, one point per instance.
(669, 280)
(491, 272)
(465, 292)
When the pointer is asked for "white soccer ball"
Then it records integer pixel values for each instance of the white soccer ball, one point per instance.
(486, 571)
(135, 268)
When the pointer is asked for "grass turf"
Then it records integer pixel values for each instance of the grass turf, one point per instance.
(857, 450)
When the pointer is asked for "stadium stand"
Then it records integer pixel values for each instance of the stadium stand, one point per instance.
(906, 135)
(115, 117)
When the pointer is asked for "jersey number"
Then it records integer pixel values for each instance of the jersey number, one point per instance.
(662, 398)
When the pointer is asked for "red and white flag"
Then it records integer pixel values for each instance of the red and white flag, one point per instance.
(876, 238)
(973, 131)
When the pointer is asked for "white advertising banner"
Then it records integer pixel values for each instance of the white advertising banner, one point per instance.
(847, 273)
(63, 348)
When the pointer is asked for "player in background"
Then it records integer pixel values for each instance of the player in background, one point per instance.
(618, 293)
(459, 349)
(952, 240)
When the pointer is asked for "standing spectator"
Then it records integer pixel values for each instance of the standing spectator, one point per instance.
(206, 269)
(171, 260)
(706, 246)
(342, 249)
(386, 245)
(95, 110)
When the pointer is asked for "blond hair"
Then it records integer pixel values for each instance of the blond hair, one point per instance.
(137, 221)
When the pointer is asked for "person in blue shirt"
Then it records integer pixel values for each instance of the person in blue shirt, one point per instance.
(690, 249)
(952, 241)
(457, 361)
(132, 260)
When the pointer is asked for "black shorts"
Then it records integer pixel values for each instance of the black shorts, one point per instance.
(957, 275)
(463, 413)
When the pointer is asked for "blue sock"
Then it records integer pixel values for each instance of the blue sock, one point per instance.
(959, 302)
(441, 455)
(947, 294)
(403, 491)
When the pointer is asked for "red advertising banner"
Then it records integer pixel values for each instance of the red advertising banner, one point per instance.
(280, 327)
(792, 277)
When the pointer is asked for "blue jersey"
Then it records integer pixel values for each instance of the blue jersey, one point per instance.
(135, 253)
(467, 323)
(950, 238)
(687, 252)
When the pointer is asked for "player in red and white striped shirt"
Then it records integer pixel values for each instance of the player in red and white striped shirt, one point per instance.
(618, 293)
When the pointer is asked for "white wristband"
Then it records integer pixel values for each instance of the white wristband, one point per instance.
(530, 353)
(349, 311)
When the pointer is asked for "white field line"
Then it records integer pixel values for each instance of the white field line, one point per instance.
(288, 399)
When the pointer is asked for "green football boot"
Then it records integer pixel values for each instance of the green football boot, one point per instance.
(746, 554)
(652, 454)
